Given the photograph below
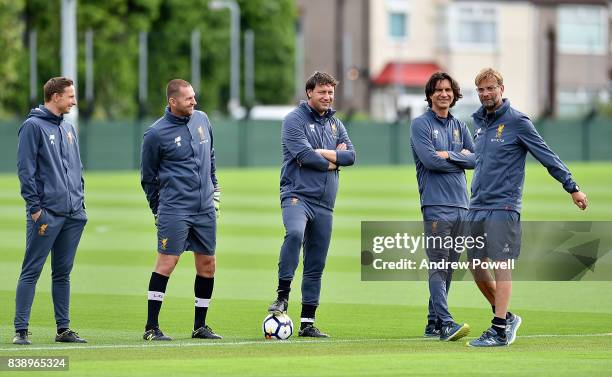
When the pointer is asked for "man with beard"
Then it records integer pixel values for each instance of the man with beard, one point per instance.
(503, 137)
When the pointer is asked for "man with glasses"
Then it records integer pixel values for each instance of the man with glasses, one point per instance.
(502, 139)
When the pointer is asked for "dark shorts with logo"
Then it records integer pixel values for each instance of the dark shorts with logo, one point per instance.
(178, 233)
(501, 230)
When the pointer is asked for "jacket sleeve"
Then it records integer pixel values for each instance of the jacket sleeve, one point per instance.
(462, 160)
(27, 155)
(149, 167)
(213, 166)
(347, 157)
(295, 140)
(78, 146)
(425, 150)
(531, 139)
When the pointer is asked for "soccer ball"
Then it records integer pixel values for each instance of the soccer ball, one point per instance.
(277, 327)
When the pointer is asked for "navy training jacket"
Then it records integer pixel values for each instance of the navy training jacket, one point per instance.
(502, 139)
(49, 164)
(441, 182)
(178, 165)
(304, 172)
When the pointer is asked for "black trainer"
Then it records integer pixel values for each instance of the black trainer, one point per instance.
(431, 331)
(279, 306)
(205, 333)
(69, 336)
(155, 334)
(21, 337)
(452, 331)
(312, 332)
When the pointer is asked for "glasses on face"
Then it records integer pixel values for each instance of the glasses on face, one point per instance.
(488, 89)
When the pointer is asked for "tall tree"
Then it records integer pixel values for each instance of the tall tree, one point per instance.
(273, 24)
(170, 51)
(13, 56)
(116, 25)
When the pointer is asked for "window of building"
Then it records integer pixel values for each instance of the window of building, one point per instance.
(474, 26)
(398, 15)
(582, 30)
(398, 25)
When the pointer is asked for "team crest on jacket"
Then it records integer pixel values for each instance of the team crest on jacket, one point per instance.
(52, 139)
(42, 229)
(456, 136)
(334, 130)
(202, 136)
(500, 131)
(311, 127)
(70, 138)
(177, 141)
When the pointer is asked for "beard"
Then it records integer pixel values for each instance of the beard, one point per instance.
(488, 104)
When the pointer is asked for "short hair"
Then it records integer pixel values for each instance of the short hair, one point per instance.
(430, 87)
(489, 73)
(56, 85)
(174, 86)
(320, 78)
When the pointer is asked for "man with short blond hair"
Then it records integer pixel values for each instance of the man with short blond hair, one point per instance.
(503, 137)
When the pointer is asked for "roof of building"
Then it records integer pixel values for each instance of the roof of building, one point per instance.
(406, 74)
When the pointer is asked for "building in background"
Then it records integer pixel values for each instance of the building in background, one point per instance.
(554, 54)
(336, 39)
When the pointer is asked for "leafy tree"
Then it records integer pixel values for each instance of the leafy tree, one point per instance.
(273, 24)
(13, 54)
(116, 25)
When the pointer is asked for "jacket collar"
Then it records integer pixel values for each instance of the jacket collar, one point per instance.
(170, 117)
(319, 118)
(482, 114)
(43, 113)
(433, 115)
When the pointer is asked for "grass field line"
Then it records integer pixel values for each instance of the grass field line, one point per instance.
(253, 342)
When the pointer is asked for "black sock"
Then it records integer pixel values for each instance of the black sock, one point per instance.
(284, 287)
(157, 290)
(203, 288)
(61, 330)
(493, 308)
(499, 325)
(508, 315)
(308, 315)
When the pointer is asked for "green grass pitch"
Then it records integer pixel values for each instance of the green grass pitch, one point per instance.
(376, 327)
